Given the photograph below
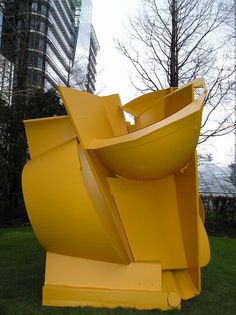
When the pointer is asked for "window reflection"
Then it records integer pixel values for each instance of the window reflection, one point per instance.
(54, 60)
(40, 8)
(36, 41)
(34, 77)
(35, 60)
(34, 6)
(37, 24)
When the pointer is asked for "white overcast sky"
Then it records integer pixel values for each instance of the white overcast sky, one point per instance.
(109, 18)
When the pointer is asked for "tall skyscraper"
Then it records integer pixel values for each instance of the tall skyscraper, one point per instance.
(91, 69)
(49, 35)
(6, 67)
(83, 72)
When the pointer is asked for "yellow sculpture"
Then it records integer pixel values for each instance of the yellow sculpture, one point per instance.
(116, 205)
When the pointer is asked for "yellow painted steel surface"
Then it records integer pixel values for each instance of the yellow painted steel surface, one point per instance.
(115, 205)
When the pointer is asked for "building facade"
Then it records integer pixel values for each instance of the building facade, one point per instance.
(83, 74)
(6, 67)
(48, 33)
(91, 69)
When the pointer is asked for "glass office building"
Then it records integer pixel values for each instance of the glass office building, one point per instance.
(6, 67)
(1, 18)
(84, 68)
(91, 69)
(48, 35)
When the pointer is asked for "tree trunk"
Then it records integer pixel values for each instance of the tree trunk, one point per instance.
(174, 77)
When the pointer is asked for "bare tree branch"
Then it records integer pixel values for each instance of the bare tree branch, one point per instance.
(172, 42)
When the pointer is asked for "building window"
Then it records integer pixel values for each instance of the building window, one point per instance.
(37, 7)
(37, 78)
(19, 24)
(44, 9)
(34, 6)
(38, 25)
(40, 62)
(41, 44)
(34, 78)
(36, 41)
(35, 60)
(22, 7)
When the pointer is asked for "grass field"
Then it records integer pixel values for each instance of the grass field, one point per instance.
(22, 274)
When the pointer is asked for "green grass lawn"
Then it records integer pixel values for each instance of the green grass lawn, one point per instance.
(22, 275)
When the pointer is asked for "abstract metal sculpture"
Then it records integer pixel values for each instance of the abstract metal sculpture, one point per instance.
(115, 205)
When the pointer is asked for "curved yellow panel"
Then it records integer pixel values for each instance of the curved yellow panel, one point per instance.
(142, 103)
(60, 209)
(159, 108)
(204, 246)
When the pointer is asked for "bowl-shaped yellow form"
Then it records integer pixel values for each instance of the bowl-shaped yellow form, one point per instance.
(156, 151)
(162, 140)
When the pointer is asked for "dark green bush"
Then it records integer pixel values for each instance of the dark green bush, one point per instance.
(220, 209)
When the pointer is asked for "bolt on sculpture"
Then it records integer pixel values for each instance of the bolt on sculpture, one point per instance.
(115, 205)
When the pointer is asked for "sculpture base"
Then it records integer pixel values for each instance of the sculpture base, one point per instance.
(71, 281)
(110, 298)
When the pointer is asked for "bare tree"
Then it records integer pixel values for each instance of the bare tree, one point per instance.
(6, 73)
(77, 74)
(82, 75)
(174, 41)
(14, 41)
